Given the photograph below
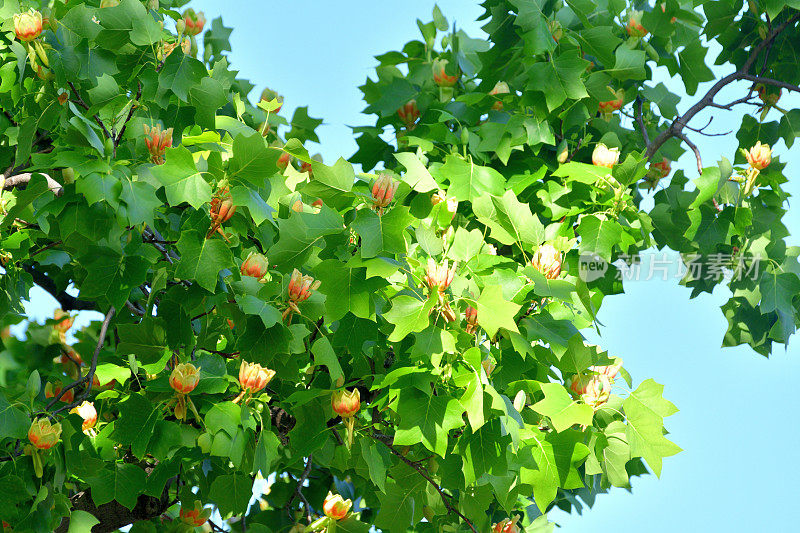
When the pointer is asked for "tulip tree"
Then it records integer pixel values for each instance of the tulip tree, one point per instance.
(391, 350)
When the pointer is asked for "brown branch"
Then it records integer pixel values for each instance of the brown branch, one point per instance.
(743, 73)
(694, 148)
(46, 247)
(637, 110)
(446, 498)
(65, 300)
(22, 180)
(89, 377)
(96, 117)
(298, 491)
(770, 81)
(113, 515)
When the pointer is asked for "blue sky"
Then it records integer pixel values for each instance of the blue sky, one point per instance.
(739, 416)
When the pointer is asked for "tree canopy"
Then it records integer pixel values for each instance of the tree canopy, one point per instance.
(392, 341)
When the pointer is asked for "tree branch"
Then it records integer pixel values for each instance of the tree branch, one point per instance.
(694, 148)
(298, 491)
(770, 81)
(446, 498)
(113, 515)
(743, 73)
(96, 117)
(89, 377)
(65, 300)
(22, 180)
(637, 110)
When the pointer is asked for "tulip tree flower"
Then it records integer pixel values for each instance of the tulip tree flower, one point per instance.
(440, 76)
(256, 266)
(222, 209)
(547, 260)
(346, 405)
(336, 507)
(603, 156)
(44, 435)
(194, 21)
(507, 525)
(195, 516)
(383, 191)
(86, 411)
(758, 157)
(254, 377)
(409, 114)
(28, 25)
(183, 379)
(499, 88)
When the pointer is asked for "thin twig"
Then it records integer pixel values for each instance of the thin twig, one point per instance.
(298, 490)
(134, 106)
(446, 498)
(96, 117)
(89, 377)
(694, 148)
(637, 109)
(770, 81)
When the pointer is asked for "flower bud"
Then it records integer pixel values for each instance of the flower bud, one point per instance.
(603, 156)
(547, 260)
(336, 507)
(51, 390)
(256, 266)
(43, 434)
(594, 390)
(301, 286)
(283, 161)
(346, 404)
(556, 30)
(184, 378)
(563, 153)
(507, 525)
(769, 97)
(254, 377)
(609, 371)
(500, 87)
(268, 95)
(194, 21)
(157, 142)
(306, 167)
(383, 190)
(222, 208)
(28, 25)
(63, 320)
(196, 516)
(608, 107)
(488, 365)
(409, 113)
(471, 315)
(662, 168)
(109, 3)
(759, 156)
(439, 276)
(634, 26)
(86, 411)
(180, 27)
(440, 76)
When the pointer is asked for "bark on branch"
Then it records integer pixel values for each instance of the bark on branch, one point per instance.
(113, 515)
(22, 180)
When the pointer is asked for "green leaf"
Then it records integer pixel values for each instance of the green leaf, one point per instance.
(416, 175)
(645, 410)
(559, 79)
(253, 305)
(136, 423)
(123, 482)
(345, 289)
(267, 452)
(707, 185)
(202, 259)
(231, 493)
(180, 74)
(14, 422)
(563, 411)
(693, 67)
(376, 463)
(557, 456)
(252, 160)
(484, 452)
(629, 64)
(98, 187)
(382, 234)
(408, 314)
(598, 235)
(301, 232)
(111, 277)
(469, 181)
(146, 340)
(324, 355)
(778, 292)
(426, 419)
(224, 416)
(181, 179)
(81, 522)
(495, 312)
(253, 201)
(510, 220)
(141, 200)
